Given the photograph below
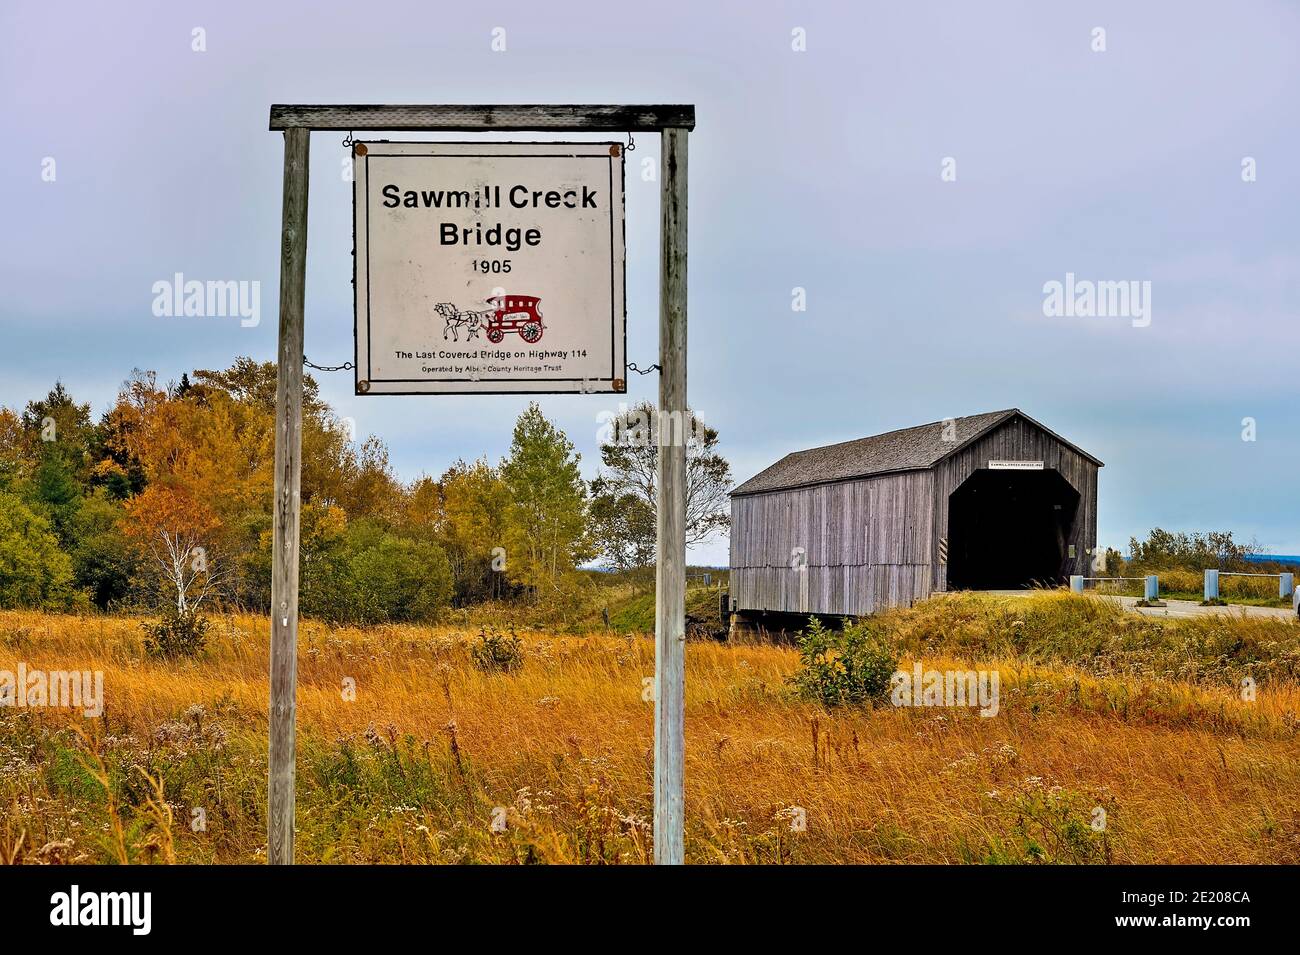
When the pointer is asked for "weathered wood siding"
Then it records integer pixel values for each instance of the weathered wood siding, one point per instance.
(847, 548)
(1019, 440)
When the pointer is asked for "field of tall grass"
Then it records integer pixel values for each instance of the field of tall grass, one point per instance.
(1118, 739)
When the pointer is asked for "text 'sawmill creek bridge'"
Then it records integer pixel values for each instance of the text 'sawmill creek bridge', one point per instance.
(988, 501)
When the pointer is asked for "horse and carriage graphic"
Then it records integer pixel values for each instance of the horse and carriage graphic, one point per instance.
(519, 314)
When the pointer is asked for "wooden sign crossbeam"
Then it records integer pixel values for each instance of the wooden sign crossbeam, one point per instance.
(297, 123)
(479, 119)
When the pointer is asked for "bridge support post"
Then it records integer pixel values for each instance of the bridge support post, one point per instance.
(1076, 583)
(1153, 588)
(1286, 586)
(1211, 585)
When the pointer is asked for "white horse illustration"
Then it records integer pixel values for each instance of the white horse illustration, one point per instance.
(455, 320)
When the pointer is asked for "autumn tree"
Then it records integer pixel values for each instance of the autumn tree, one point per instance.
(337, 469)
(322, 535)
(623, 525)
(253, 383)
(476, 503)
(175, 529)
(170, 493)
(625, 494)
(61, 443)
(15, 459)
(423, 512)
(206, 458)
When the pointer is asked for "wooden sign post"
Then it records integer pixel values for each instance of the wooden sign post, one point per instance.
(674, 124)
(288, 503)
(670, 539)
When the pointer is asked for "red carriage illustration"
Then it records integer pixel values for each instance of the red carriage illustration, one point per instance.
(514, 313)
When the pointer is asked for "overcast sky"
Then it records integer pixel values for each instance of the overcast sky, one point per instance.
(821, 169)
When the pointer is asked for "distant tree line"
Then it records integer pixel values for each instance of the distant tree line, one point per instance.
(164, 503)
(1170, 550)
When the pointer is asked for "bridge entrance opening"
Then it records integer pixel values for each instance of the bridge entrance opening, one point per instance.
(1010, 529)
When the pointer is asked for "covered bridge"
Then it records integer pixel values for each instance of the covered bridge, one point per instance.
(988, 501)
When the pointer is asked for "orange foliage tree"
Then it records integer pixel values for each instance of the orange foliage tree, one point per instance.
(174, 528)
(207, 460)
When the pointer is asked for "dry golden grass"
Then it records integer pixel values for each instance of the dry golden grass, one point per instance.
(416, 766)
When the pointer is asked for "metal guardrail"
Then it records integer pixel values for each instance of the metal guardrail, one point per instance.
(1285, 586)
(1285, 583)
(1151, 591)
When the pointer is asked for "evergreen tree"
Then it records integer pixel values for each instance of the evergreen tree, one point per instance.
(547, 524)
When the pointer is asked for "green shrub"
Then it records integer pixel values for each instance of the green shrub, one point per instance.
(372, 576)
(851, 666)
(496, 652)
(103, 561)
(1052, 825)
(34, 572)
(176, 635)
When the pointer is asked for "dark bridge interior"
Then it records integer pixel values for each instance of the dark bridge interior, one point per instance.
(1010, 529)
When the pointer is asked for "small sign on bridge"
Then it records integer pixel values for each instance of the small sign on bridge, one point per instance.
(490, 268)
(1015, 465)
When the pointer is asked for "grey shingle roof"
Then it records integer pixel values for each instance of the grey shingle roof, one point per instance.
(906, 450)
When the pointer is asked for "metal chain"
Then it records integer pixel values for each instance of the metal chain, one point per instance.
(347, 143)
(642, 371)
(631, 143)
(346, 366)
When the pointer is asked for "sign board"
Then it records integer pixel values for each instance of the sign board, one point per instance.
(1015, 465)
(489, 268)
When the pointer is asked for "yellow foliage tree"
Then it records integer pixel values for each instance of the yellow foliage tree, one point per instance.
(175, 529)
(475, 511)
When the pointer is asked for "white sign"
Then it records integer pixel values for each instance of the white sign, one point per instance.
(489, 268)
(1016, 465)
